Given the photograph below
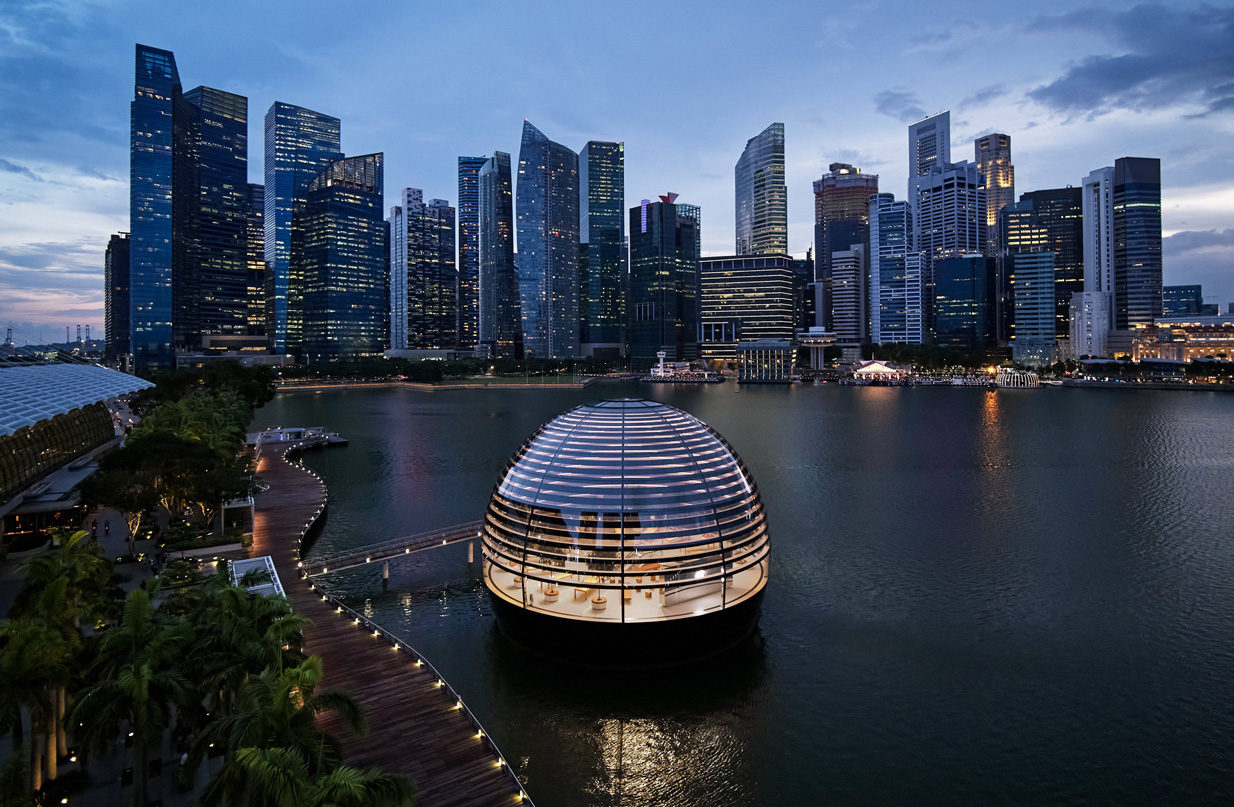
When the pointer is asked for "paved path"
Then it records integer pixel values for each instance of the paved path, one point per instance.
(417, 725)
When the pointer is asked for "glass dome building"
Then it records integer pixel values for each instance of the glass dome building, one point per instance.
(628, 528)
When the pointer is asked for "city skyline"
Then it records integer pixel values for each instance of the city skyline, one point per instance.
(63, 175)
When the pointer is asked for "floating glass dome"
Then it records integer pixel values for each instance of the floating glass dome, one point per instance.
(625, 512)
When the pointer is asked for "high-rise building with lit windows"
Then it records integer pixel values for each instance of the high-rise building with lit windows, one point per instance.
(1137, 241)
(469, 250)
(299, 144)
(743, 299)
(993, 158)
(663, 302)
(339, 248)
(602, 248)
(929, 144)
(842, 220)
(896, 286)
(947, 206)
(116, 298)
(423, 280)
(762, 195)
(500, 333)
(548, 238)
(259, 280)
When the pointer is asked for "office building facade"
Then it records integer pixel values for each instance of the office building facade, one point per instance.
(548, 238)
(929, 144)
(993, 158)
(299, 144)
(1137, 241)
(500, 331)
(1032, 288)
(663, 302)
(116, 298)
(965, 299)
(743, 299)
(947, 206)
(602, 249)
(424, 284)
(1049, 221)
(469, 250)
(259, 281)
(762, 195)
(841, 219)
(897, 287)
(339, 248)
(1179, 301)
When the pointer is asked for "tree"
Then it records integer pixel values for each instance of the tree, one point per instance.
(136, 683)
(278, 777)
(36, 664)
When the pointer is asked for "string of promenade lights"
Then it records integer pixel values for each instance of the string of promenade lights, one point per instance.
(396, 644)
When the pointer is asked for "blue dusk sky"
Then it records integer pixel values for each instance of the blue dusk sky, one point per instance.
(683, 84)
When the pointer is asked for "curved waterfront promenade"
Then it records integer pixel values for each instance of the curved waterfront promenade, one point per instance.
(418, 726)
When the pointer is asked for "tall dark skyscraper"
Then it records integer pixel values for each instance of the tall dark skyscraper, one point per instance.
(602, 250)
(423, 280)
(842, 219)
(116, 297)
(762, 195)
(663, 302)
(1176, 301)
(1137, 241)
(260, 281)
(469, 250)
(339, 248)
(965, 295)
(162, 200)
(548, 238)
(947, 205)
(500, 331)
(300, 143)
(221, 233)
(1058, 213)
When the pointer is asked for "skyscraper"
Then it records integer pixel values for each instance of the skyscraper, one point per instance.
(602, 234)
(1137, 241)
(743, 299)
(964, 301)
(469, 250)
(1092, 310)
(259, 280)
(929, 144)
(947, 203)
(1058, 214)
(500, 332)
(116, 297)
(895, 271)
(842, 219)
(339, 248)
(1176, 301)
(762, 196)
(423, 280)
(161, 205)
(548, 238)
(993, 158)
(663, 303)
(1032, 292)
(300, 143)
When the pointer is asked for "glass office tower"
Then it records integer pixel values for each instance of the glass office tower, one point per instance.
(1137, 241)
(896, 276)
(338, 246)
(423, 280)
(548, 237)
(663, 303)
(469, 250)
(258, 276)
(965, 298)
(762, 196)
(299, 144)
(993, 157)
(116, 298)
(500, 332)
(602, 254)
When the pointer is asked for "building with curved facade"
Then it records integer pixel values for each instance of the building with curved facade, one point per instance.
(626, 533)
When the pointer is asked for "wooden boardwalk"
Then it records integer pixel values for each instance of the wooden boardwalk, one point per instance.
(417, 724)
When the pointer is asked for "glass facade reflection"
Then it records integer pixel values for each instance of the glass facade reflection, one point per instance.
(625, 511)
(469, 250)
(423, 281)
(663, 304)
(602, 232)
(500, 322)
(116, 297)
(1137, 241)
(762, 195)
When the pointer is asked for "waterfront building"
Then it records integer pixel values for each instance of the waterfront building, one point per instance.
(993, 158)
(259, 281)
(762, 195)
(896, 293)
(765, 361)
(602, 249)
(629, 532)
(847, 294)
(947, 206)
(299, 144)
(929, 145)
(1137, 241)
(548, 238)
(1032, 291)
(1185, 338)
(1089, 337)
(423, 280)
(1181, 301)
(841, 219)
(1048, 221)
(469, 250)
(1090, 324)
(743, 299)
(663, 302)
(339, 248)
(803, 292)
(116, 298)
(500, 331)
(965, 301)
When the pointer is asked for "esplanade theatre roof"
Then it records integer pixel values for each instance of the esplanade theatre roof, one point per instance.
(37, 392)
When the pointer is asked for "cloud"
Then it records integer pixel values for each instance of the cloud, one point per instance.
(20, 170)
(1201, 256)
(902, 105)
(984, 95)
(1167, 57)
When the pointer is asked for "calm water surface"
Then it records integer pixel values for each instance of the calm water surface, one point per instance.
(1022, 596)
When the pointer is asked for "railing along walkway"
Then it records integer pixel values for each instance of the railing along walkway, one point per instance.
(418, 725)
(398, 547)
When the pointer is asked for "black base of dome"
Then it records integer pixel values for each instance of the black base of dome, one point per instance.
(629, 644)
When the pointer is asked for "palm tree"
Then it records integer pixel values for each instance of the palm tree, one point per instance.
(277, 710)
(278, 777)
(136, 683)
(35, 665)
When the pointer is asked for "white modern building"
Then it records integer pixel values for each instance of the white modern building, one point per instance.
(896, 289)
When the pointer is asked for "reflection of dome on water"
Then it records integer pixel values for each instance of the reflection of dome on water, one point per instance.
(626, 526)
